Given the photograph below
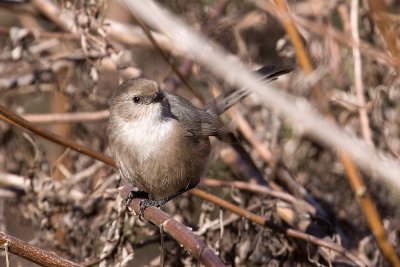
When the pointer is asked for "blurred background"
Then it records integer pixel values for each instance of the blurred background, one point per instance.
(60, 62)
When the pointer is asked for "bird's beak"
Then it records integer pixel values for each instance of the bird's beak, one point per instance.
(158, 97)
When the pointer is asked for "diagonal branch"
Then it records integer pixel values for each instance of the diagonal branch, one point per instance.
(32, 253)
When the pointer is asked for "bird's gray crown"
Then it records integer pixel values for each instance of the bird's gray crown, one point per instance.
(135, 87)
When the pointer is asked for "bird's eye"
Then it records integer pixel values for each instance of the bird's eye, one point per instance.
(136, 99)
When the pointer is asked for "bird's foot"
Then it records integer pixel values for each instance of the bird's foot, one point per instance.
(134, 194)
(145, 203)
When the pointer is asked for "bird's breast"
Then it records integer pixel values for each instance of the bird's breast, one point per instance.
(145, 138)
(158, 158)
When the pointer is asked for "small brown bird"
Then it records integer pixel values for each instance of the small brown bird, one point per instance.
(160, 141)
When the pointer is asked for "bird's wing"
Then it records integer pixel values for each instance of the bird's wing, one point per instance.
(195, 121)
(212, 126)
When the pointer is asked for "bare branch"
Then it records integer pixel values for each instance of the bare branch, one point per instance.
(33, 254)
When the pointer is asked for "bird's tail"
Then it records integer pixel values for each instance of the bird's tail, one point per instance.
(268, 74)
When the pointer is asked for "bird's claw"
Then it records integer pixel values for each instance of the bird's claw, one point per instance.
(131, 196)
(128, 200)
(145, 203)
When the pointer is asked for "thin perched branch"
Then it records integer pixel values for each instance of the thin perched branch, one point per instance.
(182, 234)
(33, 254)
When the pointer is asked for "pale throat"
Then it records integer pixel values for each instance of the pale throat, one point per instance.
(146, 135)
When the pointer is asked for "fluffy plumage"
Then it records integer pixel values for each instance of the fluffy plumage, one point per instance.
(160, 141)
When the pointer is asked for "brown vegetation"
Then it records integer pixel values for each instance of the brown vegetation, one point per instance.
(287, 198)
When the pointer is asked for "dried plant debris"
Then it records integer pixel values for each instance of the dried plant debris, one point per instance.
(72, 61)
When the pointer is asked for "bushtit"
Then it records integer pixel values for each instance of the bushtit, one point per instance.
(160, 141)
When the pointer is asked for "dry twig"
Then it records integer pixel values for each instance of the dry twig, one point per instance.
(358, 79)
(33, 254)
